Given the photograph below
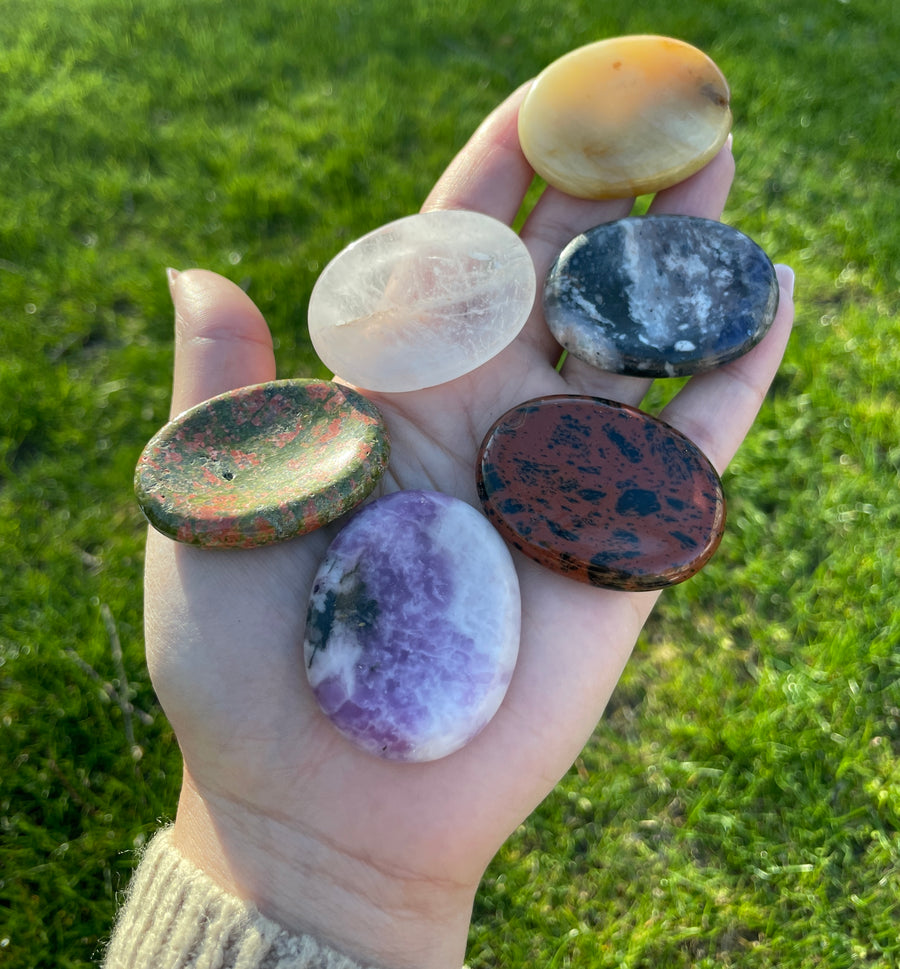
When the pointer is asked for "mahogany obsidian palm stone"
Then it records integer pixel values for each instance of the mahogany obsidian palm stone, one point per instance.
(601, 492)
(262, 464)
(660, 295)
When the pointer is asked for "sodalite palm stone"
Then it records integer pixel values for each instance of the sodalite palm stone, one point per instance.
(660, 296)
(601, 492)
(422, 300)
(413, 626)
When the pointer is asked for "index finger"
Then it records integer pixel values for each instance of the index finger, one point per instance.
(489, 174)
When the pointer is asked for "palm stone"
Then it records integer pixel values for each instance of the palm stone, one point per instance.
(422, 300)
(624, 116)
(601, 492)
(660, 296)
(413, 626)
(262, 464)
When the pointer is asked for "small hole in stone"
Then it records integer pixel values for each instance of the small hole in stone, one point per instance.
(228, 475)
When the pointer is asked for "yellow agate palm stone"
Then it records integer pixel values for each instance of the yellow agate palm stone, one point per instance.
(625, 116)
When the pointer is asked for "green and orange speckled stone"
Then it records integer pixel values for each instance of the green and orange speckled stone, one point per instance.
(262, 464)
(601, 492)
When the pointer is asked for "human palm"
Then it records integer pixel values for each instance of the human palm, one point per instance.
(382, 859)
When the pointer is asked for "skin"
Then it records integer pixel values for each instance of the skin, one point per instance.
(382, 860)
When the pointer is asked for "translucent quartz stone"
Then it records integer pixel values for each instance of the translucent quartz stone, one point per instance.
(421, 301)
(413, 626)
(625, 116)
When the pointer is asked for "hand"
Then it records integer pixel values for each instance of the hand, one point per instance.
(382, 859)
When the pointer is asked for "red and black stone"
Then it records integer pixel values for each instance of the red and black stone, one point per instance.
(262, 464)
(601, 492)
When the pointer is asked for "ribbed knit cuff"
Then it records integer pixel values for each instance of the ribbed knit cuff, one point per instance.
(175, 916)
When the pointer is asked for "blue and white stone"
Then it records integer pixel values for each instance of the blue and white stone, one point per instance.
(660, 296)
(413, 626)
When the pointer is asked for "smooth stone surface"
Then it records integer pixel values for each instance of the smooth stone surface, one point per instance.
(413, 626)
(625, 116)
(422, 300)
(660, 296)
(262, 464)
(601, 492)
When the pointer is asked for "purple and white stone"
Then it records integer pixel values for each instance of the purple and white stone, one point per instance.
(422, 300)
(413, 626)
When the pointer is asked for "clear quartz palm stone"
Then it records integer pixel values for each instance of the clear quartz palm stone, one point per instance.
(422, 300)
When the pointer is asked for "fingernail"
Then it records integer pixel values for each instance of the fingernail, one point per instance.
(171, 276)
(789, 278)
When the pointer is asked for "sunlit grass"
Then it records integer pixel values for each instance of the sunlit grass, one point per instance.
(740, 803)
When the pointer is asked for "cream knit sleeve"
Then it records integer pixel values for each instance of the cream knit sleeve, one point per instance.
(175, 916)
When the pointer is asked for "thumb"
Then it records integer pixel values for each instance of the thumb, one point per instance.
(221, 339)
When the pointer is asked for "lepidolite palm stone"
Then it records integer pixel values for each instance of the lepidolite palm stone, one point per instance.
(262, 464)
(413, 626)
(660, 296)
(601, 492)
(421, 300)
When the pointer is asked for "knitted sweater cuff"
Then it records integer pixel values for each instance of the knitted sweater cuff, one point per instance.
(175, 916)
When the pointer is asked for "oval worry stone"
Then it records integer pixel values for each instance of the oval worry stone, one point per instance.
(601, 492)
(624, 116)
(413, 626)
(660, 296)
(422, 300)
(262, 464)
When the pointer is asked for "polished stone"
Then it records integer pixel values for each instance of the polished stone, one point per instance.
(421, 301)
(413, 626)
(601, 492)
(660, 296)
(624, 116)
(262, 464)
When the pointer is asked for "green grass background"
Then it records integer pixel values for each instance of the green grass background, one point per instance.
(740, 803)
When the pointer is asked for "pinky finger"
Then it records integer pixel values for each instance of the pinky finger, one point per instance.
(716, 409)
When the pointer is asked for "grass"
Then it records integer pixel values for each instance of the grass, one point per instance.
(740, 802)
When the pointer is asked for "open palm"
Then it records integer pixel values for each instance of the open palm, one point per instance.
(382, 859)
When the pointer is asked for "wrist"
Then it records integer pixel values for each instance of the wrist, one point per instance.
(176, 915)
(373, 916)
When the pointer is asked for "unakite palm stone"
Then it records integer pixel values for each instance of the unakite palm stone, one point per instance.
(624, 116)
(262, 464)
